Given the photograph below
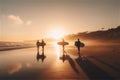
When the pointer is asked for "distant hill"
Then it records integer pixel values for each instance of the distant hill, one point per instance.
(112, 34)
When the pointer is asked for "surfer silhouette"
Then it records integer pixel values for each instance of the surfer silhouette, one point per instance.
(37, 44)
(40, 56)
(63, 47)
(63, 43)
(43, 44)
(79, 44)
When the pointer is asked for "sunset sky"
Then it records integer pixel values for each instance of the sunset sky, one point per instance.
(35, 19)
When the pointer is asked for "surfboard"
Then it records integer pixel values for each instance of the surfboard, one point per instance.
(81, 44)
(42, 44)
(62, 43)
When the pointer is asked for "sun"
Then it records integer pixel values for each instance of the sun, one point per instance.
(57, 33)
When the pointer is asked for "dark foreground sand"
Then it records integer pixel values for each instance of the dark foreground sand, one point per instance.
(106, 57)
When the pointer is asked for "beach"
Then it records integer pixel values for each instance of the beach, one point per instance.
(96, 62)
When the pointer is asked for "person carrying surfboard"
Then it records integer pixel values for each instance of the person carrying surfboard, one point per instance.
(37, 44)
(79, 44)
(43, 44)
(63, 43)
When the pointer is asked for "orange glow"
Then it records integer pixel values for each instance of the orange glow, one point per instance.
(57, 49)
(56, 33)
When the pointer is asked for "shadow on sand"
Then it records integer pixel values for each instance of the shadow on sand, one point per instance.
(40, 56)
(71, 62)
(92, 71)
(101, 61)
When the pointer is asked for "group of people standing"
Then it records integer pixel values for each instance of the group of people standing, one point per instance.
(78, 44)
(38, 44)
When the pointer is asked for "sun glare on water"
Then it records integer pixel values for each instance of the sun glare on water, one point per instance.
(57, 49)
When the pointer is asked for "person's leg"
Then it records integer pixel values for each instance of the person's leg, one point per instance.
(79, 51)
(42, 49)
(63, 50)
(37, 48)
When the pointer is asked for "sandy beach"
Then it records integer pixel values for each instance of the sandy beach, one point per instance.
(97, 62)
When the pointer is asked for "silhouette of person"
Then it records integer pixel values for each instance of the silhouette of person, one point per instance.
(78, 45)
(37, 44)
(64, 43)
(40, 56)
(63, 46)
(43, 46)
(37, 57)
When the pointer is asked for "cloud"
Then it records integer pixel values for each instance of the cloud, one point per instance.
(15, 19)
(29, 22)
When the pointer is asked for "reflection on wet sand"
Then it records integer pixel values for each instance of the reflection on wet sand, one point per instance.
(57, 50)
(28, 65)
(14, 68)
(40, 56)
(24, 64)
(70, 60)
(64, 57)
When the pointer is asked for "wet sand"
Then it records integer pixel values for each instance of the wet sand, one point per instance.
(105, 57)
(97, 62)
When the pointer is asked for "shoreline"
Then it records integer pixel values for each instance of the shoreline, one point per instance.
(14, 48)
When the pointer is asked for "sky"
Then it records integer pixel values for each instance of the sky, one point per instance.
(36, 19)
